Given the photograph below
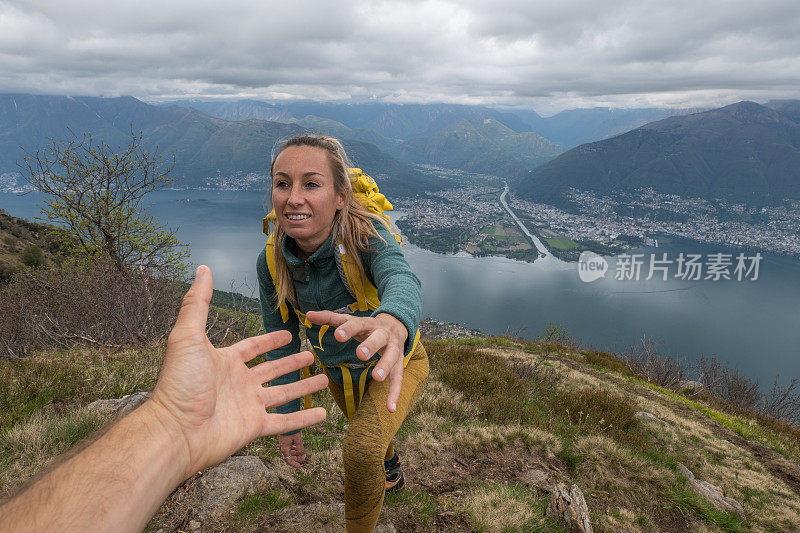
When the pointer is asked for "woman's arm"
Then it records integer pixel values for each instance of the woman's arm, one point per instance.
(399, 289)
(382, 334)
(392, 327)
(289, 444)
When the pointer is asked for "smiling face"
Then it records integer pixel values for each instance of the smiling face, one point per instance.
(304, 196)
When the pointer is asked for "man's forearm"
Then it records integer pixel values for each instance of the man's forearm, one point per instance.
(116, 484)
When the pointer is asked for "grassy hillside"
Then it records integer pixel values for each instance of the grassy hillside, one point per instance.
(479, 449)
(499, 423)
(24, 243)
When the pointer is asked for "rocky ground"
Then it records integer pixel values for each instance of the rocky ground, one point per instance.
(508, 436)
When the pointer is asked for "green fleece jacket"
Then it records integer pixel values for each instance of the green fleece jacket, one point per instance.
(318, 287)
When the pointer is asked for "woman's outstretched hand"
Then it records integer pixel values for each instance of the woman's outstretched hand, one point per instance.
(383, 334)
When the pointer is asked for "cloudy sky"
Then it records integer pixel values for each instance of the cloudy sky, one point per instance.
(542, 54)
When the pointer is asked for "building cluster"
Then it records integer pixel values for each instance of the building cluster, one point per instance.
(453, 208)
(437, 329)
(238, 181)
(12, 182)
(602, 218)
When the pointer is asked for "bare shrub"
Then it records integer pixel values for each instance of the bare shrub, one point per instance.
(499, 393)
(644, 359)
(84, 301)
(783, 402)
(236, 317)
(728, 384)
(555, 335)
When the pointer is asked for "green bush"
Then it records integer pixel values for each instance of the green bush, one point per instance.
(7, 271)
(555, 337)
(33, 256)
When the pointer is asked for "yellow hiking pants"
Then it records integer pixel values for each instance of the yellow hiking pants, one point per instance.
(369, 440)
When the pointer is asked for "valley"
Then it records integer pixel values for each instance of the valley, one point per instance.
(470, 218)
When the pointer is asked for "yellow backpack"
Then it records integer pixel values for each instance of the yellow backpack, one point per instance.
(354, 279)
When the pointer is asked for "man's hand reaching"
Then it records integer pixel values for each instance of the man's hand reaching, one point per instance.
(209, 395)
(206, 405)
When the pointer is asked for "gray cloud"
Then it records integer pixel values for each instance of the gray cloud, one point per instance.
(548, 55)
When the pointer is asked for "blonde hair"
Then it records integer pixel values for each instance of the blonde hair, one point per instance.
(353, 224)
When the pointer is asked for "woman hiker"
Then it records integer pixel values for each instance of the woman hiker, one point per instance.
(332, 266)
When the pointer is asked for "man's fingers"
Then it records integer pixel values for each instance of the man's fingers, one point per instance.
(275, 423)
(247, 349)
(395, 384)
(327, 317)
(194, 310)
(280, 394)
(269, 370)
(252, 347)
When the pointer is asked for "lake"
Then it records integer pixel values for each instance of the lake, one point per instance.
(753, 325)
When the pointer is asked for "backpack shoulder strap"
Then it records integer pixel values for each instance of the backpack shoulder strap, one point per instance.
(355, 279)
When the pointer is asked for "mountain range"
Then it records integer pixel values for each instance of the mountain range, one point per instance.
(203, 146)
(573, 127)
(480, 144)
(505, 142)
(471, 138)
(395, 122)
(225, 138)
(744, 152)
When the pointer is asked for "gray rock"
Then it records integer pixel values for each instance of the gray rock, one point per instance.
(691, 387)
(194, 525)
(220, 487)
(119, 406)
(644, 416)
(710, 492)
(569, 506)
(535, 478)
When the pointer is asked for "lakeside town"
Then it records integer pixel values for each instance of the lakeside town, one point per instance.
(466, 219)
(471, 219)
(647, 213)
